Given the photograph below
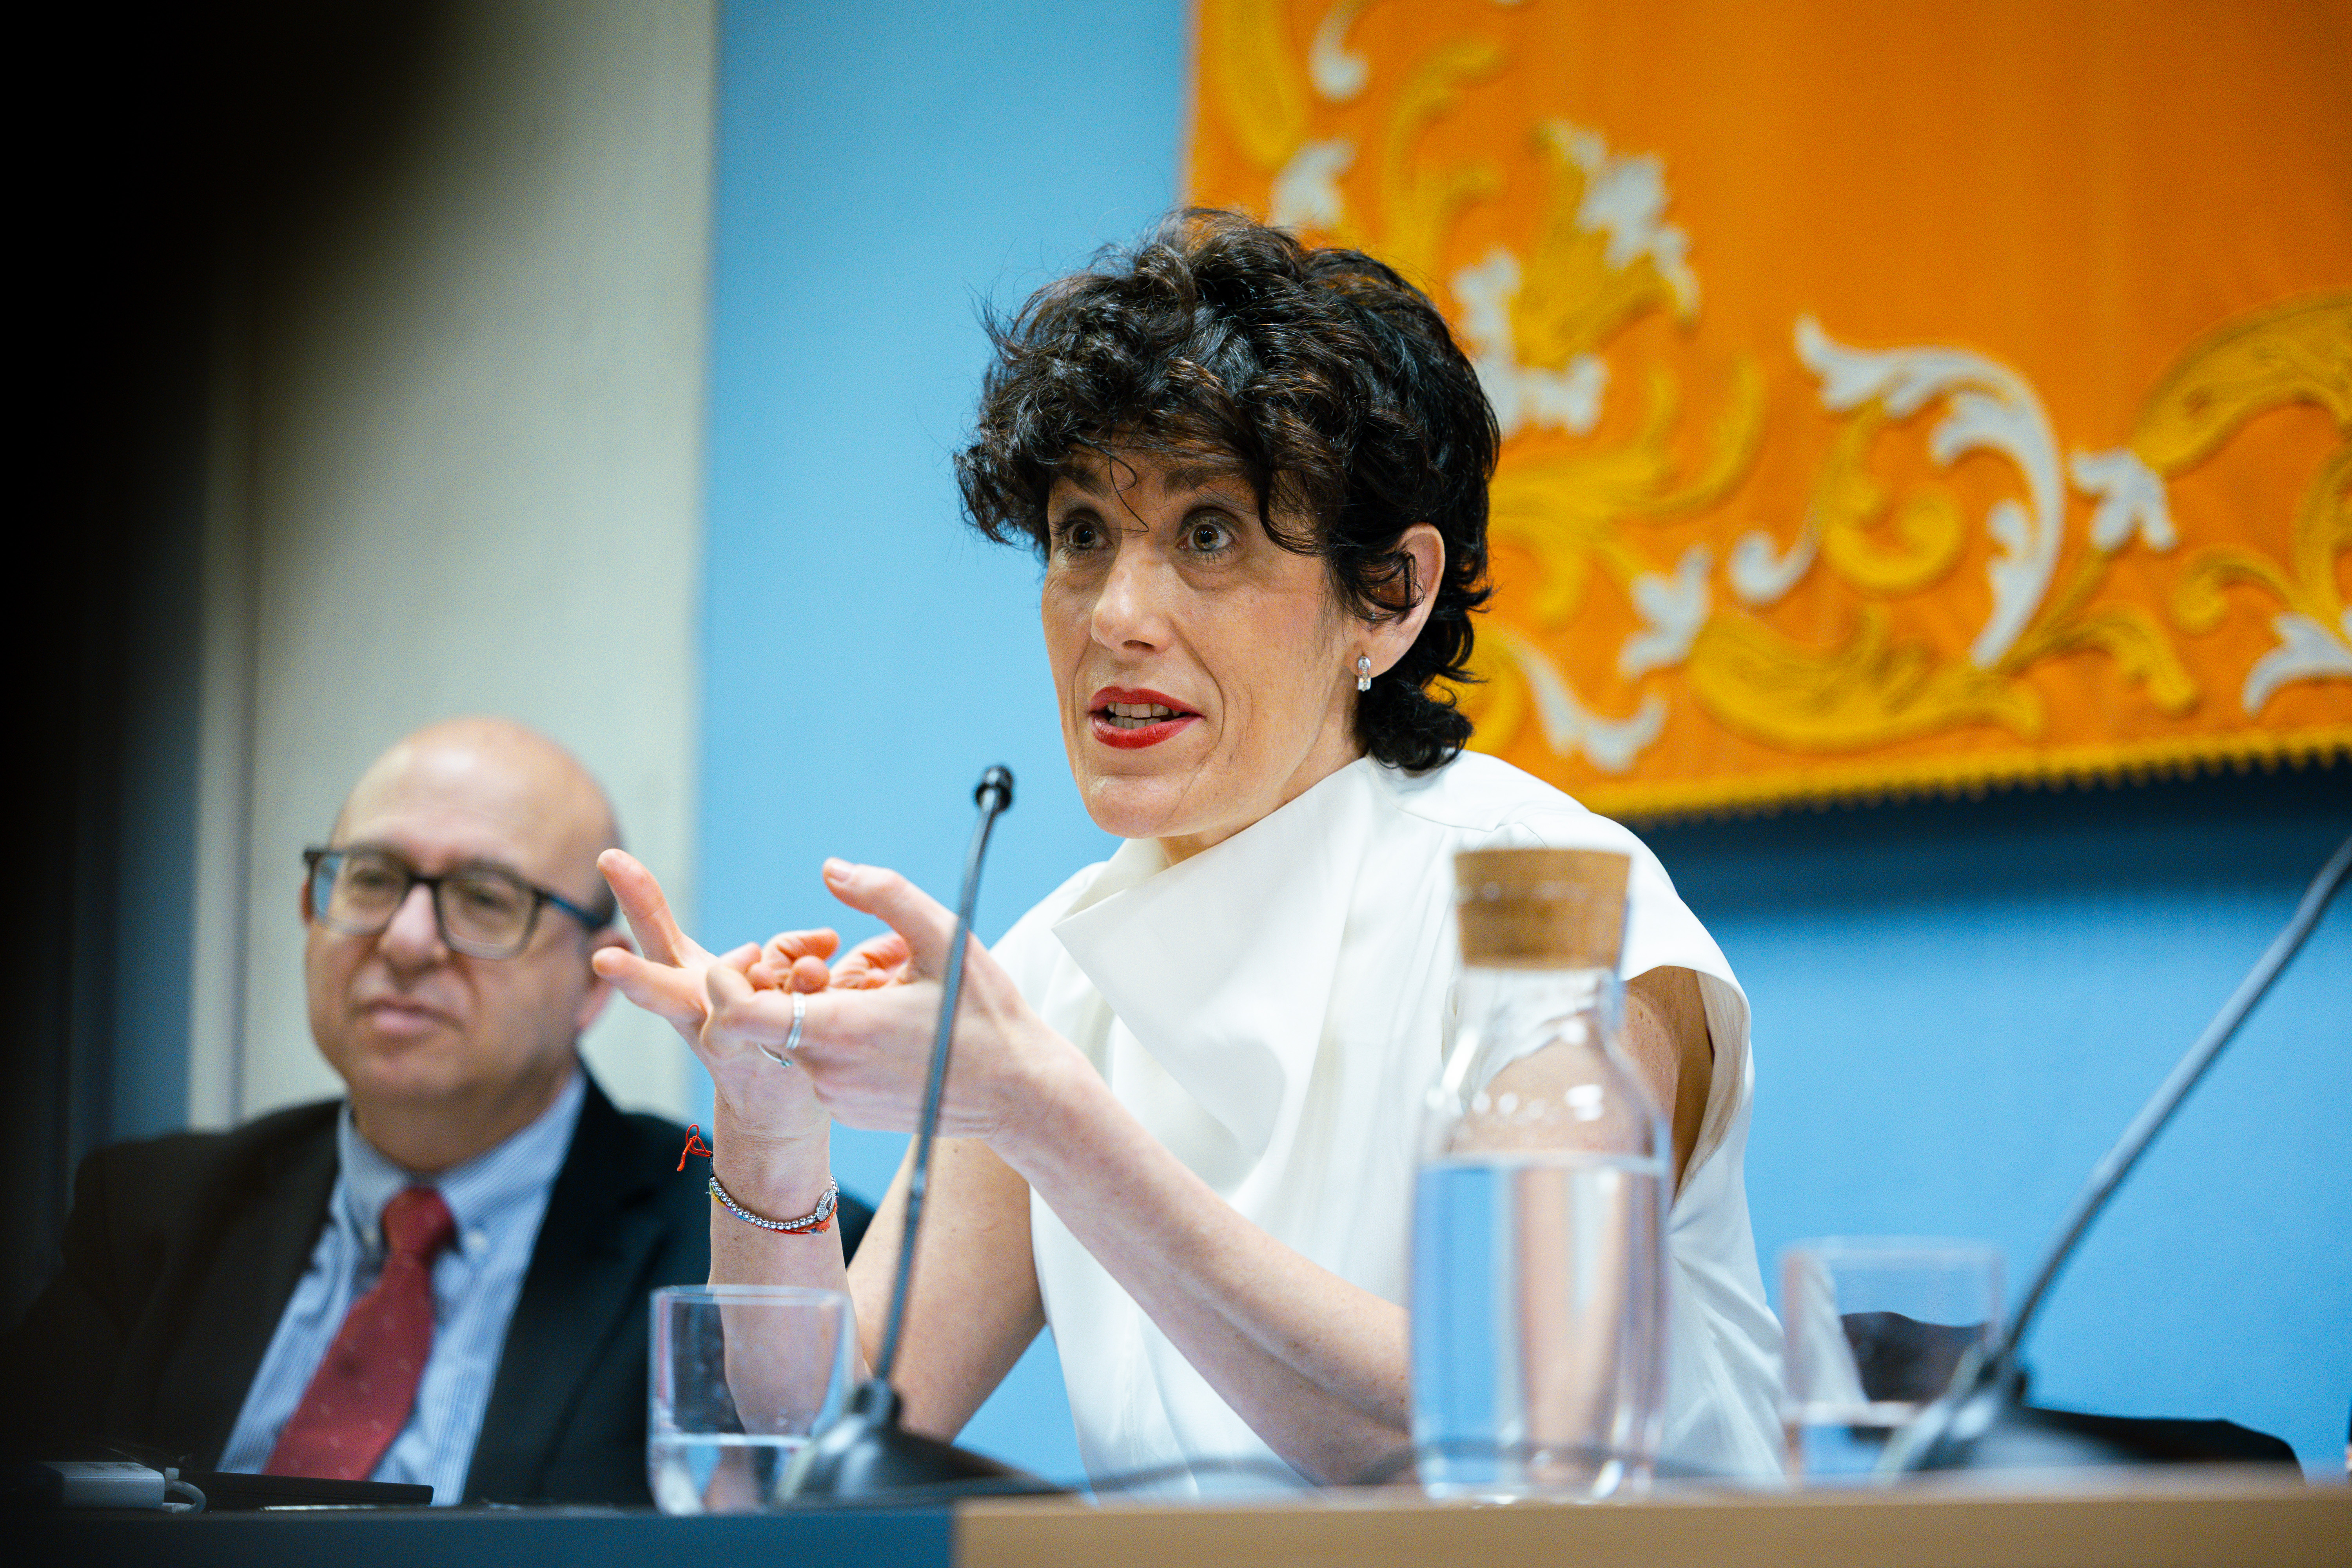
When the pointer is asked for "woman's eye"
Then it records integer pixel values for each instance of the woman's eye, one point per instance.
(1205, 536)
(1079, 536)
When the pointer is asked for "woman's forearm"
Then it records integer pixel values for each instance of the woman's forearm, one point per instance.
(975, 1306)
(1318, 1366)
(777, 1180)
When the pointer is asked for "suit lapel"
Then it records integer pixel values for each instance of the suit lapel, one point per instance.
(592, 1252)
(233, 1305)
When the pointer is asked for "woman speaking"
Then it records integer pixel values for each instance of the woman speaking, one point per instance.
(1180, 1126)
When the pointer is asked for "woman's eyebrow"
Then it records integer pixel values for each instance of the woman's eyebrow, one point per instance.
(1202, 476)
(1097, 481)
(1091, 478)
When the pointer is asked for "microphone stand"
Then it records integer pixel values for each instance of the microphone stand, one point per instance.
(866, 1455)
(1985, 1398)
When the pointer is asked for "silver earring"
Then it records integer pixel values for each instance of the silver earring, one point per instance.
(1363, 672)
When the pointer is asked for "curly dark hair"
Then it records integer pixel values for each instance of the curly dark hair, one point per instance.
(1332, 383)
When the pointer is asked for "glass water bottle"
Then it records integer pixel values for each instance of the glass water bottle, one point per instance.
(1539, 1291)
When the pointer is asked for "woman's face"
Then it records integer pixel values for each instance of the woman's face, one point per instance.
(1205, 674)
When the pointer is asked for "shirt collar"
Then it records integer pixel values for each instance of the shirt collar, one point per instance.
(479, 1192)
(1248, 933)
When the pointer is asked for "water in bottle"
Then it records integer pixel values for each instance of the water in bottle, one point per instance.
(1538, 1301)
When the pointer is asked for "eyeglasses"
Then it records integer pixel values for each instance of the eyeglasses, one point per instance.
(482, 911)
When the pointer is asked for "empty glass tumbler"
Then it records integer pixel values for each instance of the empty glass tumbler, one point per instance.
(1875, 1327)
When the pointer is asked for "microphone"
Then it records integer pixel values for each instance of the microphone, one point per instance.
(1979, 1420)
(866, 1454)
(994, 794)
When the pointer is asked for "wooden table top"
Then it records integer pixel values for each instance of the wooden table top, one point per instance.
(2051, 1519)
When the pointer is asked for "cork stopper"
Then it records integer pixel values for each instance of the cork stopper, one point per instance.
(1541, 909)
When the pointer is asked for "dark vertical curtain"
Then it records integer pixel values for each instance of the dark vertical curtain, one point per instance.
(171, 163)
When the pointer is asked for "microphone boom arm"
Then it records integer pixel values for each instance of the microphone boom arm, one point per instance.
(1941, 1435)
(866, 1454)
(994, 796)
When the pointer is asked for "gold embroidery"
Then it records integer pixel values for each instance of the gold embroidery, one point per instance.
(1254, 71)
(1931, 584)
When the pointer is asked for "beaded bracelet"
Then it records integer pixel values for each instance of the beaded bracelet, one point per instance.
(819, 1219)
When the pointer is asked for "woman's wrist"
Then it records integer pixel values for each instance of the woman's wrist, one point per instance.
(815, 1221)
(771, 1173)
(1048, 1096)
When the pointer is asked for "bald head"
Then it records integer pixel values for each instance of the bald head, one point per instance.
(519, 786)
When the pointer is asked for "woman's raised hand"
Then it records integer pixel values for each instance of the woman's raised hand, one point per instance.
(868, 1020)
(866, 1043)
(674, 978)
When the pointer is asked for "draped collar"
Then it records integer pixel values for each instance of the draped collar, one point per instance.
(1221, 966)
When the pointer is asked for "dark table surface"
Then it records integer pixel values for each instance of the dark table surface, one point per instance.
(489, 1538)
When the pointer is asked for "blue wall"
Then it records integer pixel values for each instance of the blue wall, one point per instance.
(882, 169)
(1959, 1003)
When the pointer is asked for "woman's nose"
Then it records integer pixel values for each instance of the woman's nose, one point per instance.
(1131, 610)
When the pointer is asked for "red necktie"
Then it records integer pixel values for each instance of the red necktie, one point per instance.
(360, 1397)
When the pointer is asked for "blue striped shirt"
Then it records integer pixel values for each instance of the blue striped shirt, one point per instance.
(497, 1198)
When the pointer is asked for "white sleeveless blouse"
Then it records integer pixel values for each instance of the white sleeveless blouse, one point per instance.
(1273, 1009)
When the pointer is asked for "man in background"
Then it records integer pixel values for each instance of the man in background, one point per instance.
(441, 1278)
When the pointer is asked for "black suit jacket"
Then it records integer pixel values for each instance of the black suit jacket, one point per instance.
(182, 1252)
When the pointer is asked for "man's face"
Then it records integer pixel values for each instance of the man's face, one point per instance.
(414, 1026)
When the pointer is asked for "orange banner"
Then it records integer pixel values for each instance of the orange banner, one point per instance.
(1895, 396)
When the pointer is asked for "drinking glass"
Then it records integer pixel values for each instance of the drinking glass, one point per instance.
(1875, 1327)
(740, 1377)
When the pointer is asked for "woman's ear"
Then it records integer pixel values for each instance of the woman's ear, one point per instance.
(1390, 640)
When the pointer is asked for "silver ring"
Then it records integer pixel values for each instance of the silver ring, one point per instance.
(792, 1040)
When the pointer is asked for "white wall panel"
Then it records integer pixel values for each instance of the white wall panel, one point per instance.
(472, 414)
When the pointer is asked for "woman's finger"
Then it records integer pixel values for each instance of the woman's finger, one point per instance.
(921, 919)
(794, 974)
(795, 960)
(664, 989)
(641, 900)
(884, 952)
(761, 969)
(878, 961)
(787, 945)
(739, 1014)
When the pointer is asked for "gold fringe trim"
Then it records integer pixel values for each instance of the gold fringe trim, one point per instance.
(1830, 784)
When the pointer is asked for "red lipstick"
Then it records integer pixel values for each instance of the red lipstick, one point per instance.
(1149, 717)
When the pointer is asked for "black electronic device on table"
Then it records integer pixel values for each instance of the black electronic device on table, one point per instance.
(233, 1492)
(120, 1484)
